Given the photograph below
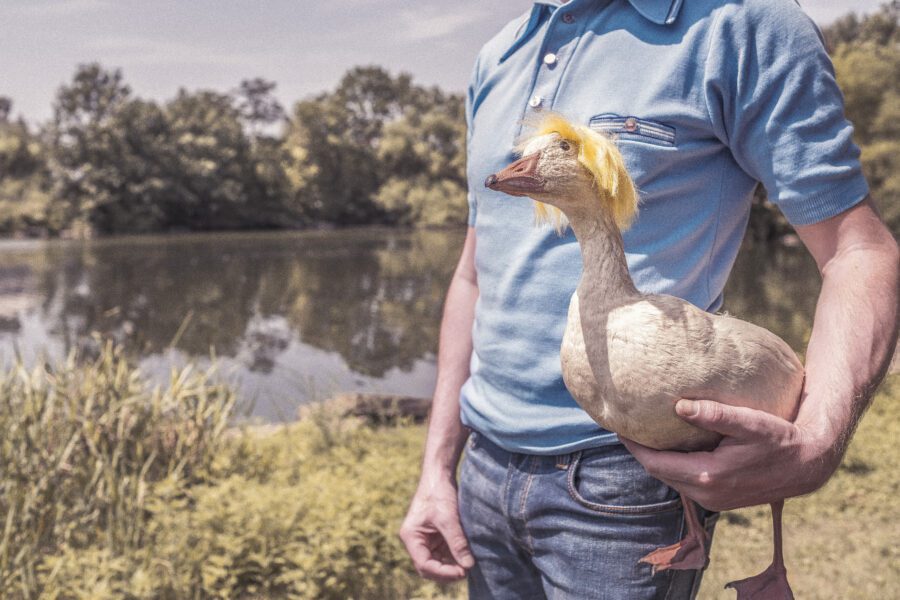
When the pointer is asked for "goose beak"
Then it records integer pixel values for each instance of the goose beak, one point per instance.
(518, 179)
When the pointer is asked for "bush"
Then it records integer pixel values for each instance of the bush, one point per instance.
(111, 490)
(424, 203)
(85, 449)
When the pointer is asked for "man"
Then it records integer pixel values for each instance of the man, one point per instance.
(706, 98)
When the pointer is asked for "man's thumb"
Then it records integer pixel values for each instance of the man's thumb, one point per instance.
(456, 541)
(733, 421)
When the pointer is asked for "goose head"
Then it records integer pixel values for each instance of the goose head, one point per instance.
(571, 172)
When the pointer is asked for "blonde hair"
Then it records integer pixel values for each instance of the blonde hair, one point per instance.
(602, 159)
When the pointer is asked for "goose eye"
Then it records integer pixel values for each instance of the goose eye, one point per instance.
(565, 146)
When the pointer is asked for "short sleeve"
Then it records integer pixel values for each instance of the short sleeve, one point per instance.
(771, 92)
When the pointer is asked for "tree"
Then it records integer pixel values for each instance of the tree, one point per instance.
(424, 152)
(21, 154)
(91, 99)
(336, 136)
(24, 197)
(5, 109)
(83, 151)
(867, 65)
(257, 104)
(378, 148)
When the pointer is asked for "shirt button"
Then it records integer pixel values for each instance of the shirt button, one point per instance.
(568, 18)
(550, 59)
(630, 124)
(535, 101)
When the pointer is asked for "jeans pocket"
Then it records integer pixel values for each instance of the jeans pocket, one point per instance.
(610, 480)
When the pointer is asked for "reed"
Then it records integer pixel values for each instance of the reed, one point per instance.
(83, 443)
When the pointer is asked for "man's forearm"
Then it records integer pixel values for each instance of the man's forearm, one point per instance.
(446, 434)
(853, 338)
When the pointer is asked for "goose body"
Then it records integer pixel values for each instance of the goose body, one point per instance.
(629, 362)
(628, 357)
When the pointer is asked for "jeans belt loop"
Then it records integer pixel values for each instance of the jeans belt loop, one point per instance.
(564, 460)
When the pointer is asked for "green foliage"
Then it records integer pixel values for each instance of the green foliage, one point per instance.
(128, 165)
(24, 197)
(362, 150)
(206, 161)
(308, 512)
(111, 490)
(257, 105)
(867, 64)
(422, 202)
(880, 28)
(84, 450)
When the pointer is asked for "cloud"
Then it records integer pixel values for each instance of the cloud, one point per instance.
(135, 50)
(430, 23)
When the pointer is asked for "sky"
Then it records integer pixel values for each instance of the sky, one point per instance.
(303, 45)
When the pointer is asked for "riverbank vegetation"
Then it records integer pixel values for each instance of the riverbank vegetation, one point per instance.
(112, 489)
(376, 149)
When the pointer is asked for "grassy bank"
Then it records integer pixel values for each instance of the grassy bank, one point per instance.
(109, 489)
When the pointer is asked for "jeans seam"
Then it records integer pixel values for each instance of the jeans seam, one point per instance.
(529, 542)
(504, 507)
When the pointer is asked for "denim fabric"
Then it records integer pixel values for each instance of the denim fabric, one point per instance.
(569, 526)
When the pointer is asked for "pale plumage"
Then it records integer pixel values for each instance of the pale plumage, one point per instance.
(628, 357)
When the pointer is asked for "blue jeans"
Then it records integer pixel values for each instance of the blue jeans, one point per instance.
(570, 526)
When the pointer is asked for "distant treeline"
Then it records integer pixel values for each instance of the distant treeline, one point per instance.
(378, 149)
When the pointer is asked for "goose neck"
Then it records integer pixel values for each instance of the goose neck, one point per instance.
(605, 279)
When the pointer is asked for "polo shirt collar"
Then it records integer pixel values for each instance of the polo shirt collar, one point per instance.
(658, 11)
(661, 12)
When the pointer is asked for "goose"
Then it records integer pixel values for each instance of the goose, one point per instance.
(627, 357)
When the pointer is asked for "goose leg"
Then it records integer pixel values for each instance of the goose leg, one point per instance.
(690, 552)
(771, 584)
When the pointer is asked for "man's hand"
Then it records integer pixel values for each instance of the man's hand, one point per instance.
(762, 458)
(433, 535)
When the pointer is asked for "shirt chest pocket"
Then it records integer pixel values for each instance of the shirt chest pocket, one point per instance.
(634, 129)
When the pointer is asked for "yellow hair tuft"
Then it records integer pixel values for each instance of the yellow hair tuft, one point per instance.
(602, 158)
(547, 214)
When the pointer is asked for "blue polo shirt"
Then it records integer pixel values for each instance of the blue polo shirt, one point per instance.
(706, 98)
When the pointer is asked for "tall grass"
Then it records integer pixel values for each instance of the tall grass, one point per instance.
(112, 490)
(81, 445)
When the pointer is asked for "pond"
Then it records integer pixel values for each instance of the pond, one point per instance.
(292, 317)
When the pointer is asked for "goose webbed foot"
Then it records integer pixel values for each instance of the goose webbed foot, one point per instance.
(688, 554)
(771, 584)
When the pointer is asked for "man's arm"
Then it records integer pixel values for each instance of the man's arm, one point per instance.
(431, 531)
(763, 458)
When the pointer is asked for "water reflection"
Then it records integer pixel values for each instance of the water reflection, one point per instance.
(292, 316)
